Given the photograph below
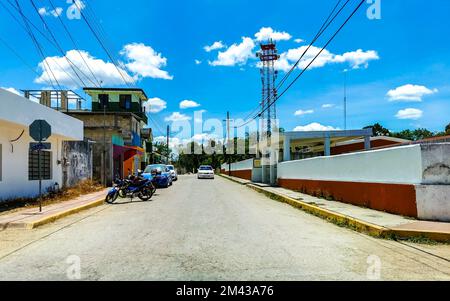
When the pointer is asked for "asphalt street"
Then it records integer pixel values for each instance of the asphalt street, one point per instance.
(210, 230)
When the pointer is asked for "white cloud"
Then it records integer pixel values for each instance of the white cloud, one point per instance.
(12, 90)
(266, 33)
(63, 72)
(412, 114)
(357, 58)
(177, 116)
(328, 106)
(144, 61)
(187, 104)
(298, 41)
(410, 93)
(236, 54)
(314, 127)
(302, 112)
(214, 46)
(155, 105)
(197, 62)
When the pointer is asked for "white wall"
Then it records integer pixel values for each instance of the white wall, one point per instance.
(14, 182)
(243, 165)
(20, 111)
(16, 115)
(402, 165)
(433, 202)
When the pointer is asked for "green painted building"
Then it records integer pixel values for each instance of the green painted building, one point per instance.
(118, 100)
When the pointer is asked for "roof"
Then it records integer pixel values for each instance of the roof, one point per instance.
(386, 138)
(20, 111)
(138, 90)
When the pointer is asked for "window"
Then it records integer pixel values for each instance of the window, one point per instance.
(125, 101)
(103, 100)
(33, 165)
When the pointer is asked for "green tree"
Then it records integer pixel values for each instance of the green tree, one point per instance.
(379, 130)
(447, 129)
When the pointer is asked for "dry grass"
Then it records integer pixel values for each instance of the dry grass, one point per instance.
(63, 195)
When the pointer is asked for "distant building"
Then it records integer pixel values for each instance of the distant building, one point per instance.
(18, 165)
(117, 123)
(357, 145)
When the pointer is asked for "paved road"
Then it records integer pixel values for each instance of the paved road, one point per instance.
(209, 230)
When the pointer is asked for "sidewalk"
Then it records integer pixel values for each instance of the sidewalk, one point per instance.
(32, 218)
(373, 222)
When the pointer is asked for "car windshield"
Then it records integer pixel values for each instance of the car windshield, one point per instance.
(158, 167)
(170, 167)
(205, 168)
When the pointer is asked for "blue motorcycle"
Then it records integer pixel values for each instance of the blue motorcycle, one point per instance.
(134, 186)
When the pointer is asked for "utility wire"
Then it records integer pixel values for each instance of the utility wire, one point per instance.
(318, 54)
(100, 42)
(310, 63)
(322, 29)
(38, 46)
(75, 45)
(20, 58)
(71, 64)
(27, 29)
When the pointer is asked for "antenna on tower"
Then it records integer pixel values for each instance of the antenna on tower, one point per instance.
(268, 55)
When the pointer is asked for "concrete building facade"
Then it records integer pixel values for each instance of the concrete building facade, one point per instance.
(17, 164)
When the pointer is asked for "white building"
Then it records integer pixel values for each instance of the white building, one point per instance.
(18, 178)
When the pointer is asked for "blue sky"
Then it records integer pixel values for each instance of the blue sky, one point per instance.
(399, 77)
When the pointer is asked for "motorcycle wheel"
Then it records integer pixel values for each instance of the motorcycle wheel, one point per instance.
(111, 198)
(146, 194)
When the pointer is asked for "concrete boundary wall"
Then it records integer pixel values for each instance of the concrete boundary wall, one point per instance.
(398, 165)
(242, 169)
(409, 180)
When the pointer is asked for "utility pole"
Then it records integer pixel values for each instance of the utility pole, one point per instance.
(168, 140)
(345, 99)
(228, 143)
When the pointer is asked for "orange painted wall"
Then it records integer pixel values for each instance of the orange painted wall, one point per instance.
(392, 198)
(243, 174)
(345, 149)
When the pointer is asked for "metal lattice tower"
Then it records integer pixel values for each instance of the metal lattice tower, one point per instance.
(268, 55)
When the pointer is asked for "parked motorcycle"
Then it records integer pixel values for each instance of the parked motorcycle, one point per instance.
(133, 186)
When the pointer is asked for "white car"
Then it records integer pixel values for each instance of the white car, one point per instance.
(173, 172)
(205, 172)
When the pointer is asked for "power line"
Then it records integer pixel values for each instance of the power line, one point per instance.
(75, 44)
(28, 29)
(310, 63)
(57, 43)
(320, 52)
(101, 43)
(322, 29)
(37, 45)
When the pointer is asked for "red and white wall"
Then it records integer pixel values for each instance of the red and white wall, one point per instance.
(410, 180)
(243, 169)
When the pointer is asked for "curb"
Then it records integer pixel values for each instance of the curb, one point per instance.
(334, 217)
(60, 215)
(350, 222)
(233, 180)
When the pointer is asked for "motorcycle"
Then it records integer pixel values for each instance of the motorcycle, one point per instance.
(134, 186)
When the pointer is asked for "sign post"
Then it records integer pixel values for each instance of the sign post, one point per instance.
(40, 131)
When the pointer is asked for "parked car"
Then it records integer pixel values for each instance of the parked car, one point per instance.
(173, 172)
(160, 173)
(205, 172)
